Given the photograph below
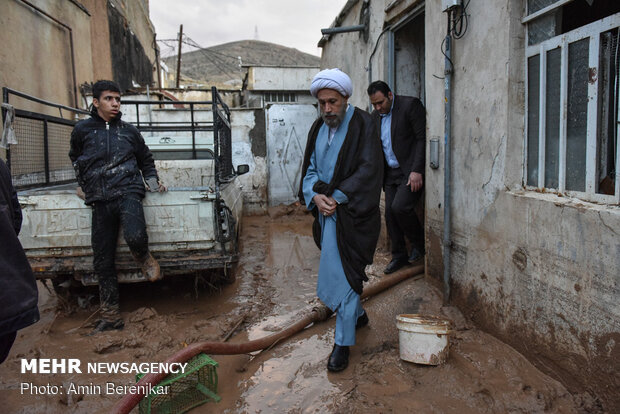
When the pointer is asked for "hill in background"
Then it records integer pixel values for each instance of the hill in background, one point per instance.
(222, 65)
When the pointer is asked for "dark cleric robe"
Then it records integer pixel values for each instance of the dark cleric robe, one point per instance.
(18, 288)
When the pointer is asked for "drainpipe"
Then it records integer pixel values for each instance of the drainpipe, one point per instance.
(344, 29)
(75, 93)
(446, 177)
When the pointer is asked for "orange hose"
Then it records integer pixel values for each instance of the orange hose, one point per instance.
(322, 313)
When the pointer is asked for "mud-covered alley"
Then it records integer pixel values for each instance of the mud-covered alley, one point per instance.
(275, 281)
(519, 200)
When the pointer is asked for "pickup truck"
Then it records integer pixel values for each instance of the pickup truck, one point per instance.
(193, 227)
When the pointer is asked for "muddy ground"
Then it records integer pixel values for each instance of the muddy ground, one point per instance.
(275, 280)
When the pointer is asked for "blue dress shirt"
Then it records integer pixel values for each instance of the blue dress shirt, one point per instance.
(386, 137)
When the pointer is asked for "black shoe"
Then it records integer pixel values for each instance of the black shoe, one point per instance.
(394, 265)
(339, 359)
(105, 325)
(362, 321)
(415, 255)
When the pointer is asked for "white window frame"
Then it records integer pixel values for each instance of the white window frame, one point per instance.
(591, 31)
(545, 10)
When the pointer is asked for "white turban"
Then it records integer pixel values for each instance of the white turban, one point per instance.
(332, 79)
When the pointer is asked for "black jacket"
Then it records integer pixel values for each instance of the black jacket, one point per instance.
(18, 288)
(358, 174)
(109, 159)
(408, 133)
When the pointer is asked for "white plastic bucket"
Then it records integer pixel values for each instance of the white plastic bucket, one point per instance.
(423, 339)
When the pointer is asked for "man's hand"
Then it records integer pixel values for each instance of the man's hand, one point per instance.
(415, 181)
(326, 205)
(80, 193)
(153, 185)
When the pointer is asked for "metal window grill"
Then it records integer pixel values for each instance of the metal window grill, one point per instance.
(225, 152)
(222, 135)
(41, 155)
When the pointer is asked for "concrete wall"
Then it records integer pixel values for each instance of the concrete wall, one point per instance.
(137, 14)
(538, 270)
(280, 79)
(35, 56)
(100, 39)
(249, 146)
(122, 46)
(350, 53)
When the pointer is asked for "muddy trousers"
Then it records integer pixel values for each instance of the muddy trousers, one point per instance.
(400, 217)
(108, 217)
(347, 313)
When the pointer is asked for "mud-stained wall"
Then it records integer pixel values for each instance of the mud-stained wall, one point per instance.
(130, 63)
(122, 42)
(249, 147)
(350, 53)
(100, 39)
(538, 270)
(35, 56)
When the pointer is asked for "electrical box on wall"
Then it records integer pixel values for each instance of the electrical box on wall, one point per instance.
(434, 153)
(448, 4)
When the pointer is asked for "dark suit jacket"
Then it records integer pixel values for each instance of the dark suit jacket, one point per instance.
(408, 133)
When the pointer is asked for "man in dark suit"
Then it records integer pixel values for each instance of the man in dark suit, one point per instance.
(402, 122)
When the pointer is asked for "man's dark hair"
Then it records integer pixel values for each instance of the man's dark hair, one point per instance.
(378, 86)
(104, 85)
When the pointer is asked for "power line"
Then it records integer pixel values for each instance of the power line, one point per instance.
(213, 58)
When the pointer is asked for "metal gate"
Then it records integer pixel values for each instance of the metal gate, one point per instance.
(287, 133)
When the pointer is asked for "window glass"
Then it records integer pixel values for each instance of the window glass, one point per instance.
(533, 106)
(552, 118)
(608, 112)
(577, 120)
(543, 28)
(535, 5)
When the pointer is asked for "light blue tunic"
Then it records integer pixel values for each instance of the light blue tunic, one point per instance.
(332, 287)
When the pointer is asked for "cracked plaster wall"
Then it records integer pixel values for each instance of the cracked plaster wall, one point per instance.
(248, 147)
(538, 270)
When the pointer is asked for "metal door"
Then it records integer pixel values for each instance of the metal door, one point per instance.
(287, 133)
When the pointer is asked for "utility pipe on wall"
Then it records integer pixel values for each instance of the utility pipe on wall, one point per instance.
(446, 176)
(344, 29)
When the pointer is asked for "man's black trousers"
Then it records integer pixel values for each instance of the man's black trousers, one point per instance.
(108, 216)
(400, 217)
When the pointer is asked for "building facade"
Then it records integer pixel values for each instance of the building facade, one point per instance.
(533, 246)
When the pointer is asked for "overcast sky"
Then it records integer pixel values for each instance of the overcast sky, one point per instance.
(292, 23)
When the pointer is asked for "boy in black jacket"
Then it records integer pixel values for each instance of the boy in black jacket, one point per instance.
(112, 162)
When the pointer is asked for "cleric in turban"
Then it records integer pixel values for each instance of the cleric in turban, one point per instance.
(341, 184)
